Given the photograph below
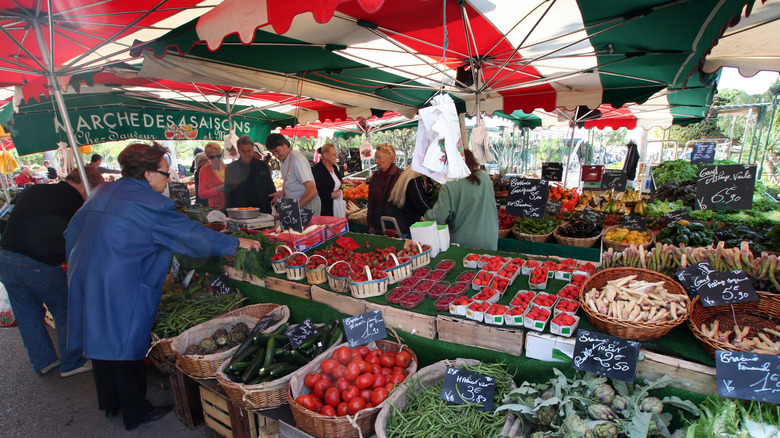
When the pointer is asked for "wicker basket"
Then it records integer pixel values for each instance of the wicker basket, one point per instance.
(619, 246)
(370, 288)
(504, 233)
(640, 331)
(162, 346)
(297, 272)
(259, 310)
(280, 266)
(400, 271)
(421, 259)
(205, 366)
(338, 284)
(757, 314)
(361, 425)
(586, 242)
(532, 237)
(317, 276)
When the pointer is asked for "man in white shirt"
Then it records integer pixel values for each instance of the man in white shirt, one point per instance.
(296, 172)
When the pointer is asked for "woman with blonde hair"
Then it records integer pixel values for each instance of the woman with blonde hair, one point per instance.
(381, 183)
(408, 199)
(327, 178)
(211, 181)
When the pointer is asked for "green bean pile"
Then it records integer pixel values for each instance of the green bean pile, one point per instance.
(427, 415)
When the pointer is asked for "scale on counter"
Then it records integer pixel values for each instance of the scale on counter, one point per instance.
(265, 220)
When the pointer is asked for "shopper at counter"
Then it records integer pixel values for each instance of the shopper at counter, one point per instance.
(25, 178)
(200, 160)
(327, 178)
(298, 179)
(248, 181)
(408, 201)
(468, 205)
(381, 184)
(119, 248)
(33, 251)
(211, 181)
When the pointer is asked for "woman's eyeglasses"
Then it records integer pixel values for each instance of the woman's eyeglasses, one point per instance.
(211, 157)
(163, 173)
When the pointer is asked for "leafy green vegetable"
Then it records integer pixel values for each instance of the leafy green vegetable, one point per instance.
(674, 171)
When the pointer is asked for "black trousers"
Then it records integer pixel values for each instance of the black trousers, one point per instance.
(121, 384)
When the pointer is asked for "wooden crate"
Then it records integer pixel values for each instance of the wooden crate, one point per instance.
(157, 359)
(288, 287)
(186, 396)
(343, 303)
(476, 334)
(226, 418)
(235, 274)
(410, 322)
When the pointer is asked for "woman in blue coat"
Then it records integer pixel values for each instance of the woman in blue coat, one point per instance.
(119, 247)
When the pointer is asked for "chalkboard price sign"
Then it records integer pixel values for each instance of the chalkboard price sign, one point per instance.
(748, 376)
(693, 277)
(461, 387)
(222, 285)
(179, 193)
(553, 207)
(301, 333)
(605, 355)
(638, 223)
(726, 288)
(677, 215)
(614, 179)
(306, 216)
(552, 171)
(703, 152)
(289, 214)
(364, 328)
(592, 216)
(725, 187)
(527, 197)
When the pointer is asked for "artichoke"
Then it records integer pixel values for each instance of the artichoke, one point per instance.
(207, 346)
(619, 403)
(547, 416)
(652, 405)
(192, 349)
(220, 337)
(546, 395)
(605, 430)
(576, 425)
(604, 393)
(236, 335)
(241, 327)
(601, 412)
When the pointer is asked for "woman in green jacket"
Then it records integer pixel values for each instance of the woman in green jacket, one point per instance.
(468, 205)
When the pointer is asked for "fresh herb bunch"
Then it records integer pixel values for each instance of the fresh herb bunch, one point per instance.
(675, 171)
(255, 263)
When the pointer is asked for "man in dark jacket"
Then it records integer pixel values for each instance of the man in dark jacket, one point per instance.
(248, 181)
(31, 258)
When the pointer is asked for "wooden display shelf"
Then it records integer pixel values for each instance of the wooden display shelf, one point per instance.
(288, 287)
(408, 321)
(235, 274)
(342, 302)
(475, 334)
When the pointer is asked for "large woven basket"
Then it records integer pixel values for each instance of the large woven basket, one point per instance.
(532, 237)
(619, 246)
(764, 313)
(586, 242)
(259, 310)
(361, 425)
(504, 233)
(639, 331)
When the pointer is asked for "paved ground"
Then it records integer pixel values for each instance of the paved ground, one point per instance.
(46, 406)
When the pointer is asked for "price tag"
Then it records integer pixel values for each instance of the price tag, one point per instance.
(614, 179)
(694, 276)
(222, 285)
(703, 152)
(289, 214)
(592, 216)
(461, 387)
(729, 287)
(637, 223)
(725, 187)
(179, 193)
(364, 328)
(527, 197)
(552, 171)
(553, 207)
(301, 333)
(605, 355)
(675, 216)
(306, 216)
(175, 266)
(748, 376)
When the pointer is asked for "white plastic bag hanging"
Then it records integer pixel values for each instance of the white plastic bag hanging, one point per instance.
(6, 314)
(366, 150)
(480, 144)
(438, 152)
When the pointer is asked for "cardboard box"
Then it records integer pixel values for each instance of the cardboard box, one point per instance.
(549, 348)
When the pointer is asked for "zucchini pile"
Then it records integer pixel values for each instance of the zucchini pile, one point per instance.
(269, 356)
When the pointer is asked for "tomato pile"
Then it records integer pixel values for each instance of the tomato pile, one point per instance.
(353, 379)
(567, 198)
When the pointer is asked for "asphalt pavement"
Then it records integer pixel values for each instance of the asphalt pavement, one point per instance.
(49, 405)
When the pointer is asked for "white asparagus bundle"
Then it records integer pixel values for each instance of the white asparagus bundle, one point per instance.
(766, 342)
(636, 300)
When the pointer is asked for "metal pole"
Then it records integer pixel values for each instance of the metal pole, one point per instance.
(769, 132)
(731, 136)
(760, 127)
(47, 61)
(744, 134)
(568, 160)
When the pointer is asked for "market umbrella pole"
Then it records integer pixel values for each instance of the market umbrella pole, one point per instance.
(568, 160)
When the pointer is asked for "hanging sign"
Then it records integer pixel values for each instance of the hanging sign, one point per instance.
(301, 333)
(615, 179)
(605, 355)
(638, 223)
(703, 152)
(527, 197)
(461, 387)
(748, 376)
(364, 328)
(725, 187)
(592, 216)
(729, 287)
(179, 193)
(552, 171)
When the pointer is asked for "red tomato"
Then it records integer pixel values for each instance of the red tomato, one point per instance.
(311, 378)
(370, 405)
(341, 410)
(307, 401)
(387, 371)
(319, 388)
(387, 361)
(375, 353)
(364, 381)
(401, 371)
(379, 380)
(355, 353)
(363, 350)
(328, 365)
(328, 411)
(343, 355)
(397, 378)
(342, 384)
(353, 371)
(372, 359)
(317, 402)
(350, 393)
(332, 397)
(355, 405)
(365, 367)
(390, 387)
(340, 371)
(403, 359)
(375, 369)
(391, 354)
(380, 394)
(366, 394)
